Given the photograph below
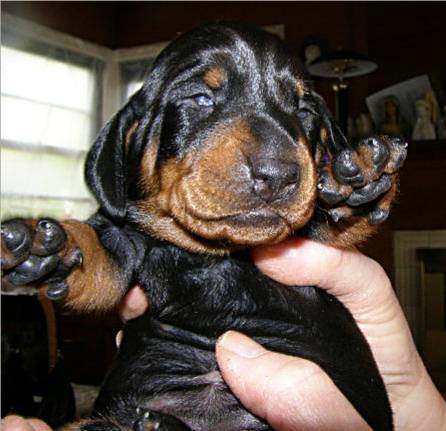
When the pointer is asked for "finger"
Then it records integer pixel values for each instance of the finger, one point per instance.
(356, 280)
(133, 304)
(17, 423)
(289, 393)
(39, 425)
(118, 338)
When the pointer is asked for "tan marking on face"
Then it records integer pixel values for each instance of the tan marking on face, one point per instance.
(214, 77)
(148, 163)
(155, 213)
(205, 201)
(211, 203)
(300, 88)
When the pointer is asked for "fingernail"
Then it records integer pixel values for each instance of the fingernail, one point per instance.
(118, 339)
(240, 345)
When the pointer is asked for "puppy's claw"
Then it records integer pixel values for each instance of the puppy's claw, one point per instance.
(16, 241)
(340, 213)
(50, 238)
(57, 290)
(378, 216)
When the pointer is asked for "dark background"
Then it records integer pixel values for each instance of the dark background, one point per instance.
(405, 39)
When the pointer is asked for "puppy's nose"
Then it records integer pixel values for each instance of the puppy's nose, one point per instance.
(272, 178)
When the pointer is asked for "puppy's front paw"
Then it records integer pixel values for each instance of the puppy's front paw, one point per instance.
(37, 251)
(362, 182)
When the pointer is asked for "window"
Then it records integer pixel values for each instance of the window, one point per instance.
(50, 113)
(134, 65)
(57, 91)
(132, 74)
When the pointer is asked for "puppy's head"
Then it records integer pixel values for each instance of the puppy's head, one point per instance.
(213, 153)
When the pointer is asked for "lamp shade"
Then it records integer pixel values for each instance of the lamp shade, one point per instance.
(341, 64)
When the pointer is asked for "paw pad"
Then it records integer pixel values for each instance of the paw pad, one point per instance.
(361, 182)
(37, 252)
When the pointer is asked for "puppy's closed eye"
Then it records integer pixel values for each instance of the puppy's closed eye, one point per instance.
(203, 100)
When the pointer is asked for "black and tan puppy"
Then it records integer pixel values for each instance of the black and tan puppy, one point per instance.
(225, 147)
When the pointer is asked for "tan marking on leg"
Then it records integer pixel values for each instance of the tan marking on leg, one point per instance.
(8, 259)
(389, 197)
(95, 284)
(346, 234)
(397, 155)
(355, 230)
(363, 157)
(214, 77)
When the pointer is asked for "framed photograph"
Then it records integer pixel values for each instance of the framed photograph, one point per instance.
(399, 103)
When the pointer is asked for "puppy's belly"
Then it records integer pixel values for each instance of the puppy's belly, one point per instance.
(171, 371)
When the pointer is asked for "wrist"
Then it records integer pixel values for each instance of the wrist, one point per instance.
(423, 408)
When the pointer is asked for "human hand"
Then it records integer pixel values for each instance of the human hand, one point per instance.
(17, 423)
(133, 304)
(295, 394)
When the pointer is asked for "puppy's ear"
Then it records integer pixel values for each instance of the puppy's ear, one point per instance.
(106, 171)
(320, 125)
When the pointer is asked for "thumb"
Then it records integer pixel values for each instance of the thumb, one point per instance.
(289, 393)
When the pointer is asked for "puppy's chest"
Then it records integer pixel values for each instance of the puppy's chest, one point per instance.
(208, 296)
(198, 291)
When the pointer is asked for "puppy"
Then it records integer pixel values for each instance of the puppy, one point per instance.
(225, 147)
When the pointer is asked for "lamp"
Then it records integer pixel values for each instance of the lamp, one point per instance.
(339, 65)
